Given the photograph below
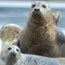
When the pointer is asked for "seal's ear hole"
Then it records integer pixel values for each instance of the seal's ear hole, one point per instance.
(33, 5)
(44, 6)
(9, 48)
(56, 17)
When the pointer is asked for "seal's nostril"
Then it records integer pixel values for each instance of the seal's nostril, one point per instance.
(36, 10)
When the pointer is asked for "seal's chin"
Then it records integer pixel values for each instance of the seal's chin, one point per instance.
(37, 16)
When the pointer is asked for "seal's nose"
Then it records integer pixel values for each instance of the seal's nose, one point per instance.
(13, 54)
(36, 10)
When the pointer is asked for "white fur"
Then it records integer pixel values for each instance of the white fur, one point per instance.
(28, 59)
(10, 59)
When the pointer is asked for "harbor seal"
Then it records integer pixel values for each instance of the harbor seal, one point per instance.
(9, 33)
(13, 56)
(40, 36)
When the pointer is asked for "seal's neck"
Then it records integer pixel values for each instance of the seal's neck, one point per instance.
(45, 23)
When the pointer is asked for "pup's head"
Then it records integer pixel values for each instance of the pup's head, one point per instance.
(12, 53)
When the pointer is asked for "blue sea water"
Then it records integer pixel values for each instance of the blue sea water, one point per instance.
(13, 15)
(20, 16)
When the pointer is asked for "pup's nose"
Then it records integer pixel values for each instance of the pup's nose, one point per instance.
(13, 54)
(36, 10)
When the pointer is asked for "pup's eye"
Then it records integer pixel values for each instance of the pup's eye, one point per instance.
(9, 48)
(33, 5)
(44, 6)
(17, 50)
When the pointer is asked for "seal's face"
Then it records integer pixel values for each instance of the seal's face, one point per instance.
(13, 53)
(40, 10)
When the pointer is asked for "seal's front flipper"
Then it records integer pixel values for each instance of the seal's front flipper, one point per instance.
(61, 40)
(60, 36)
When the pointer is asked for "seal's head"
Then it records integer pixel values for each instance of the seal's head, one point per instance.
(12, 54)
(40, 10)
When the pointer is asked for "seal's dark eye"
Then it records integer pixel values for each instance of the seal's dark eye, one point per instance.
(17, 50)
(44, 6)
(33, 5)
(9, 48)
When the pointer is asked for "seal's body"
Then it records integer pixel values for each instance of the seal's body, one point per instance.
(15, 57)
(40, 35)
(9, 34)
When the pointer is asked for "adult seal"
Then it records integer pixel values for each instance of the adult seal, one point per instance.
(41, 36)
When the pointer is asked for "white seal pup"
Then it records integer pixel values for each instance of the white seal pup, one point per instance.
(13, 56)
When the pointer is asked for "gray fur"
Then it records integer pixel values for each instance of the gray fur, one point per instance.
(38, 60)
